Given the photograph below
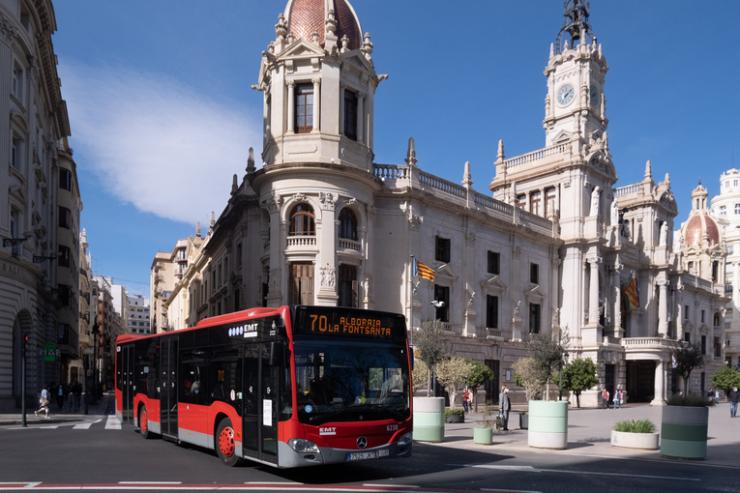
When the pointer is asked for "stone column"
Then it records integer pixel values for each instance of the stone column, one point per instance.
(663, 309)
(593, 292)
(659, 399)
(278, 283)
(360, 119)
(326, 260)
(291, 107)
(316, 104)
(618, 330)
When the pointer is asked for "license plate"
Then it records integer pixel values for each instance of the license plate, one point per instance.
(370, 454)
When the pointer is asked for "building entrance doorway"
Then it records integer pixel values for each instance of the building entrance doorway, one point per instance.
(640, 381)
(301, 283)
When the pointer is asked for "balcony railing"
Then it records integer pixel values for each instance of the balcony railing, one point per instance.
(650, 343)
(347, 244)
(301, 241)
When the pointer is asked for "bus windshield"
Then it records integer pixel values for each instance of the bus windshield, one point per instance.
(346, 381)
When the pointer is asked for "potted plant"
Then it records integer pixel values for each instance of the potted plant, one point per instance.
(527, 374)
(548, 420)
(577, 376)
(431, 348)
(683, 428)
(483, 433)
(478, 375)
(636, 433)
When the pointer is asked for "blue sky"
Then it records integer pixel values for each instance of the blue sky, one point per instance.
(162, 113)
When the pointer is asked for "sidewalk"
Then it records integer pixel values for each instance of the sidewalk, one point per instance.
(589, 435)
(105, 405)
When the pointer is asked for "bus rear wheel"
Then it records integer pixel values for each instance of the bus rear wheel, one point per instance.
(226, 443)
(144, 423)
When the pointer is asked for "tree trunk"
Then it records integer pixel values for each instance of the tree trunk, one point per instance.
(474, 394)
(547, 390)
(578, 399)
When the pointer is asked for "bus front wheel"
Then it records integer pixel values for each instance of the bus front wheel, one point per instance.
(225, 443)
(144, 423)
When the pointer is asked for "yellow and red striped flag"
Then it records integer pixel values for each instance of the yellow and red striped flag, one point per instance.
(632, 294)
(422, 270)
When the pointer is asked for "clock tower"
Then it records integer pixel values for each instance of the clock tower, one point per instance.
(575, 106)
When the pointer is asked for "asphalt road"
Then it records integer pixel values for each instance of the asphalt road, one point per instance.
(89, 457)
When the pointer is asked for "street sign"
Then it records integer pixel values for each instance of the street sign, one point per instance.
(50, 352)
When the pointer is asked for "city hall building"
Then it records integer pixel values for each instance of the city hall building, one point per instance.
(553, 248)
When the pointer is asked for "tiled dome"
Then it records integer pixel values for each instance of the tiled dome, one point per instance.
(306, 17)
(699, 226)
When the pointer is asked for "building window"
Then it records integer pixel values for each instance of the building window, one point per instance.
(715, 271)
(302, 221)
(534, 318)
(442, 249)
(301, 283)
(722, 210)
(16, 153)
(737, 209)
(717, 348)
(15, 229)
(494, 262)
(239, 255)
(65, 218)
(347, 286)
(687, 337)
(350, 114)
(492, 312)
(703, 344)
(347, 224)
(703, 313)
(535, 202)
(534, 273)
(442, 303)
(64, 256)
(716, 319)
(303, 108)
(64, 293)
(18, 80)
(65, 179)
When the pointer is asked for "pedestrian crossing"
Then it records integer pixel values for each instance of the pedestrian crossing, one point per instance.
(101, 422)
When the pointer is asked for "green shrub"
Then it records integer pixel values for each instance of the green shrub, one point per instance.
(691, 400)
(635, 426)
(454, 411)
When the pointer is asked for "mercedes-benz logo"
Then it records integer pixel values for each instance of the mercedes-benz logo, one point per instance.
(362, 442)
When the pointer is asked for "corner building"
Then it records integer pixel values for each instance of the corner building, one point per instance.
(552, 249)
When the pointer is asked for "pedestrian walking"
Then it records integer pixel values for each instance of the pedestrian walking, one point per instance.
(617, 399)
(605, 397)
(60, 397)
(504, 406)
(733, 397)
(43, 403)
(466, 400)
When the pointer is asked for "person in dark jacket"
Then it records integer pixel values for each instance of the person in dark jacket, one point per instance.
(504, 405)
(733, 397)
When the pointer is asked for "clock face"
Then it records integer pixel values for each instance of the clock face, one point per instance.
(566, 94)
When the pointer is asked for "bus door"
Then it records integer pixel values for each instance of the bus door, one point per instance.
(127, 381)
(168, 391)
(260, 403)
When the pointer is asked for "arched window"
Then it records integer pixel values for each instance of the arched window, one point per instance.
(302, 221)
(347, 224)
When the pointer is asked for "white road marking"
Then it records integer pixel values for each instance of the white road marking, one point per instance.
(568, 471)
(150, 482)
(113, 423)
(86, 425)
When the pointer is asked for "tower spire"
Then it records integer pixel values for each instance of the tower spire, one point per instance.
(575, 23)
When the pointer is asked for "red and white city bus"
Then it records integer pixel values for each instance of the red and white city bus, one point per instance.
(288, 386)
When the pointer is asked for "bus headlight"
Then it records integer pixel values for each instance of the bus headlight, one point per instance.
(405, 440)
(302, 446)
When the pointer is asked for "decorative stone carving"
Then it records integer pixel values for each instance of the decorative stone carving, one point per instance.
(299, 197)
(516, 322)
(327, 200)
(328, 277)
(614, 213)
(595, 199)
(663, 234)
(7, 29)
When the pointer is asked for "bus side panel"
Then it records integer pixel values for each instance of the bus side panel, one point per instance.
(152, 411)
(197, 423)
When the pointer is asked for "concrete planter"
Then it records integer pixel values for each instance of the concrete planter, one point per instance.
(683, 432)
(644, 441)
(523, 421)
(483, 435)
(429, 419)
(548, 424)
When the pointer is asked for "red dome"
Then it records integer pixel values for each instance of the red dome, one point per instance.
(699, 226)
(306, 17)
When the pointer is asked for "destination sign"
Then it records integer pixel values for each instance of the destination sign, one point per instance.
(349, 323)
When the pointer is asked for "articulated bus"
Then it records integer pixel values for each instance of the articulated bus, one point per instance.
(288, 386)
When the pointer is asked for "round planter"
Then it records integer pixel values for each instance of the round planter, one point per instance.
(429, 419)
(683, 432)
(483, 435)
(548, 424)
(644, 441)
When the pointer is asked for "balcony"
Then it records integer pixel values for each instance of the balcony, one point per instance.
(347, 244)
(298, 244)
(650, 344)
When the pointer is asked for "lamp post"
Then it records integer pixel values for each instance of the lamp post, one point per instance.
(26, 340)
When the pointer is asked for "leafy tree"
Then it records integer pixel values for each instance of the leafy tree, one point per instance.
(420, 375)
(528, 374)
(479, 375)
(431, 343)
(685, 360)
(579, 375)
(726, 378)
(549, 356)
(453, 373)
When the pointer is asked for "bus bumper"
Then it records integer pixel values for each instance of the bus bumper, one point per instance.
(288, 457)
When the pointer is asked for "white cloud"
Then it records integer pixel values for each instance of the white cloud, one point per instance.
(156, 143)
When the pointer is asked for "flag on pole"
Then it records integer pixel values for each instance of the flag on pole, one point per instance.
(633, 294)
(422, 270)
